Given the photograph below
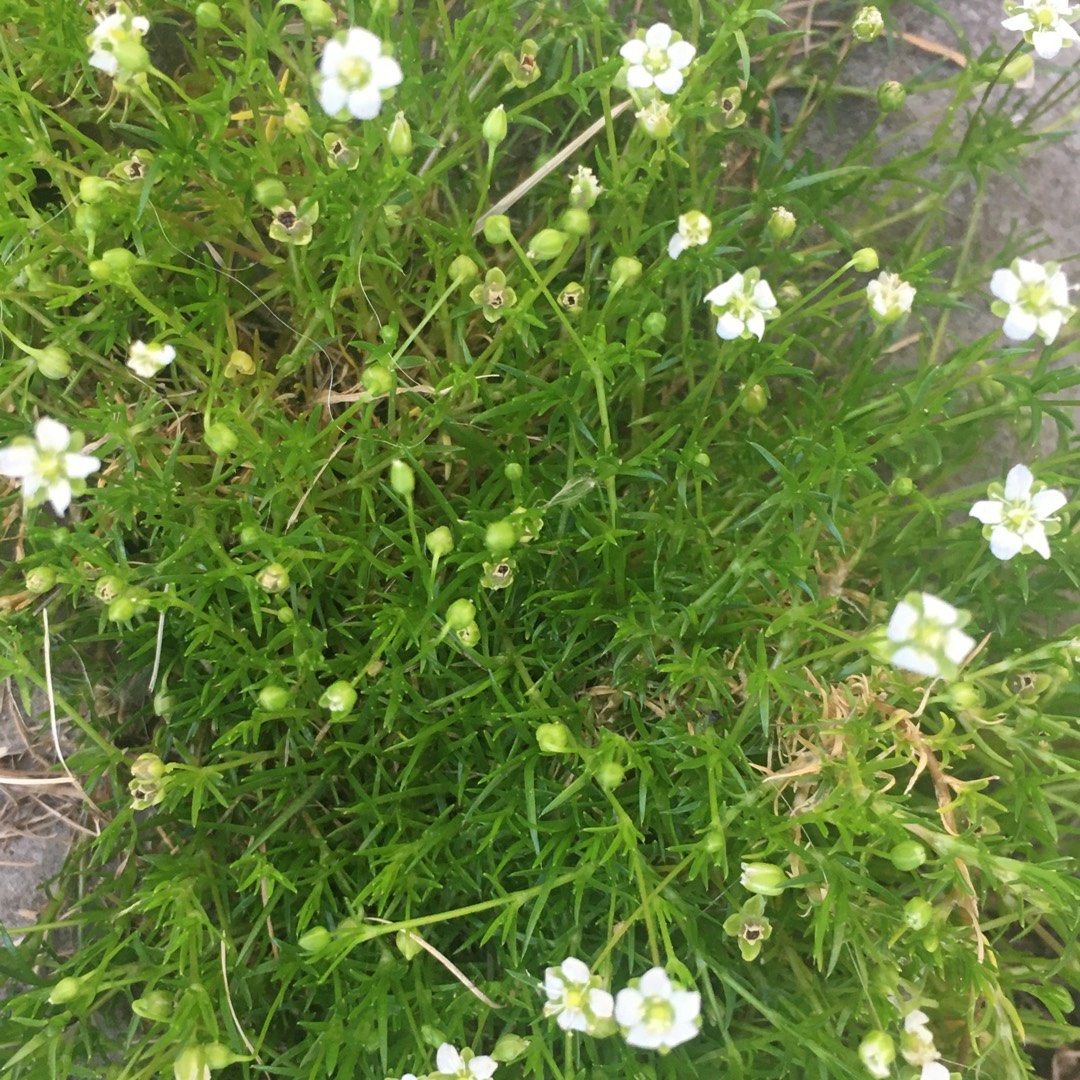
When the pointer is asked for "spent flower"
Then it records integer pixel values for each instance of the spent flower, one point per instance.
(355, 74)
(694, 231)
(750, 927)
(48, 465)
(889, 297)
(1045, 24)
(743, 304)
(657, 1014)
(1032, 298)
(292, 226)
(577, 998)
(494, 295)
(926, 636)
(658, 59)
(1018, 517)
(585, 189)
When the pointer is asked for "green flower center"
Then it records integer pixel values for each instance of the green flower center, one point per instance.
(659, 1014)
(50, 465)
(576, 997)
(1018, 516)
(1044, 17)
(354, 73)
(656, 61)
(1036, 298)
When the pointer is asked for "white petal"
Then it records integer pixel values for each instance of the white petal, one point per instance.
(1049, 325)
(1048, 502)
(1047, 43)
(637, 78)
(333, 96)
(912, 659)
(680, 53)
(1019, 324)
(448, 1060)
(32, 484)
(572, 1020)
(915, 1019)
(958, 645)
(687, 1006)
(1004, 543)
(365, 103)
(633, 51)
(554, 986)
(676, 246)
(988, 511)
(385, 72)
(60, 495)
(645, 1037)
(938, 610)
(755, 323)
(1059, 285)
(601, 1003)
(669, 82)
(1005, 285)
(104, 61)
(80, 465)
(763, 296)
(724, 291)
(575, 970)
(729, 326)
(1019, 22)
(52, 435)
(934, 1070)
(331, 58)
(902, 622)
(1035, 538)
(628, 1007)
(18, 461)
(1030, 272)
(363, 43)
(655, 983)
(1018, 483)
(658, 36)
(482, 1066)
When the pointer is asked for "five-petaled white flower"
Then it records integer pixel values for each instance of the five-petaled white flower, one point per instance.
(116, 43)
(46, 467)
(464, 1065)
(744, 303)
(147, 360)
(657, 60)
(694, 230)
(656, 1014)
(889, 297)
(1017, 518)
(1044, 23)
(575, 997)
(927, 636)
(1033, 298)
(355, 72)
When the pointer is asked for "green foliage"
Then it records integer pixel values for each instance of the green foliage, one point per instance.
(645, 644)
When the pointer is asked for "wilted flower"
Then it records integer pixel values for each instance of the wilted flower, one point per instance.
(889, 297)
(877, 1052)
(1033, 298)
(1018, 517)
(585, 189)
(147, 360)
(339, 153)
(694, 231)
(293, 227)
(656, 1014)
(867, 24)
(147, 785)
(744, 303)
(750, 926)
(657, 61)
(1044, 24)
(498, 575)
(656, 119)
(355, 73)
(927, 636)
(576, 998)
(494, 294)
(465, 1065)
(46, 466)
(116, 45)
(523, 69)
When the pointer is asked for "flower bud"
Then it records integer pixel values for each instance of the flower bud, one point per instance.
(964, 696)
(554, 739)
(378, 380)
(917, 913)
(153, 1005)
(273, 698)
(95, 189)
(513, 472)
(250, 535)
(164, 704)
(865, 260)
(339, 698)
(218, 1055)
(439, 542)
(1016, 69)
(270, 192)
(781, 224)
(755, 399)
(867, 24)
(273, 578)
(399, 137)
(902, 486)
(546, 245)
(65, 990)
(714, 841)
(208, 16)
(625, 270)
(497, 229)
(655, 323)
(576, 222)
(500, 536)
(891, 96)
(908, 855)
(89, 220)
(108, 588)
(115, 264)
(123, 608)
(40, 580)
(315, 940)
(763, 878)
(464, 269)
(494, 127)
(221, 438)
(610, 775)
(469, 635)
(191, 1064)
(402, 478)
(53, 362)
(296, 120)
(317, 12)
(702, 459)
(460, 613)
(509, 1047)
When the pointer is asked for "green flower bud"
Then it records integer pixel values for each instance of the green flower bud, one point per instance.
(610, 775)
(147, 769)
(317, 12)
(763, 878)
(656, 120)
(463, 269)
(399, 137)
(270, 192)
(917, 913)
(109, 587)
(702, 459)
(865, 260)
(251, 534)
(547, 244)
(40, 580)
(221, 438)
(315, 940)
(781, 224)
(576, 222)
(208, 16)
(439, 542)
(500, 536)
(191, 1064)
(53, 362)
(378, 380)
(497, 229)
(625, 270)
(714, 841)
(339, 698)
(554, 739)
(460, 613)
(908, 855)
(154, 1005)
(402, 478)
(867, 24)
(164, 704)
(655, 323)
(513, 472)
(122, 609)
(509, 1047)
(494, 127)
(572, 298)
(284, 615)
(218, 1055)
(273, 578)
(891, 96)
(1016, 69)
(469, 635)
(296, 120)
(877, 1052)
(964, 696)
(65, 990)
(89, 220)
(273, 698)
(95, 189)
(902, 486)
(755, 399)
(115, 264)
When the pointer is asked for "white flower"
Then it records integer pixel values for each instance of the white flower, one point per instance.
(744, 303)
(889, 297)
(464, 1065)
(148, 360)
(656, 1014)
(1016, 517)
(934, 1070)
(354, 75)
(1032, 298)
(927, 636)
(46, 468)
(585, 189)
(657, 61)
(575, 997)
(1044, 24)
(694, 230)
(116, 42)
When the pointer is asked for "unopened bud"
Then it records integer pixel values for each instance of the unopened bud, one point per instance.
(765, 879)
(755, 399)
(221, 438)
(781, 224)
(439, 542)
(402, 478)
(908, 855)
(208, 16)
(865, 260)
(399, 137)
(463, 269)
(147, 769)
(296, 120)
(270, 192)
(460, 613)
(153, 1005)
(273, 698)
(655, 323)
(625, 270)
(494, 127)
(655, 120)
(500, 536)
(53, 362)
(497, 229)
(891, 96)
(407, 944)
(610, 775)
(95, 189)
(65, 990)
(867, 24)
(917, 913)
(317, 12)
(576, 222)
(315, 940)
(509, 1047)
(339, 698)
(378, 379)
(554, 738)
